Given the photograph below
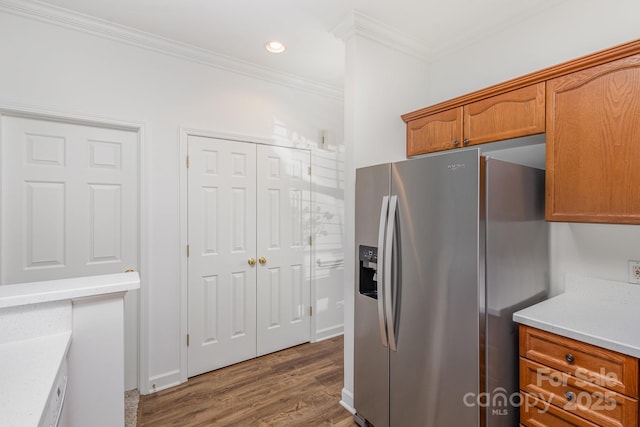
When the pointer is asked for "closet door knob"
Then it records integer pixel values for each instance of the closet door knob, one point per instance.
(251, 261)
(262, 260)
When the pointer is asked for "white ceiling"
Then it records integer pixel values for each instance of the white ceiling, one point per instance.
(239, 28)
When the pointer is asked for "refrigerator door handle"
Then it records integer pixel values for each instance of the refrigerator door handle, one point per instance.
(387, 270)
(380, 271)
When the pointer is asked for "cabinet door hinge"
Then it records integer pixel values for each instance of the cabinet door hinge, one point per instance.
(187, 162)
(310, 311)
(187, 340)
(187, 251)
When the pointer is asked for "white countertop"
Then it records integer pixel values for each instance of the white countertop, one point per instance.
(56, 290)
(36, 323)
(598, 312)
(28, 370)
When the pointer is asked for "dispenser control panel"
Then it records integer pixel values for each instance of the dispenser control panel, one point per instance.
(369, 254)
(368, 261)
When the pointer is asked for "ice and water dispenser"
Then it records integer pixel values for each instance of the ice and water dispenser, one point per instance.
(368, 267)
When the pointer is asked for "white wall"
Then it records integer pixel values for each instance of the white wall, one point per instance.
(567, 31)
(564, 31)
(594, 250)
(62, 70)
(380, 85)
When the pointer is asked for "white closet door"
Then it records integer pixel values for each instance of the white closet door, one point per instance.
(69, 200)
(221, 235)
(70, 208)
(283, 244)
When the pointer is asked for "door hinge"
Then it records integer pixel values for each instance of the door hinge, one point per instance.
(187, 340)
(309, 170)
(310, 240)
(187, 251)
(310, 311)
(187, 162)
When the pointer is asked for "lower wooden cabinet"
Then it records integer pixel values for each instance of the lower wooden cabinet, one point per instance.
(538, 414)
(564, 382)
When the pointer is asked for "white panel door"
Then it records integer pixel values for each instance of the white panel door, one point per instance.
(70, 200)
(283, 248)
(70, 207)
(221, 237)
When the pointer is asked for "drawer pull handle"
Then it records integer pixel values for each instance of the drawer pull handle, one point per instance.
(570, 396)
(569, 357)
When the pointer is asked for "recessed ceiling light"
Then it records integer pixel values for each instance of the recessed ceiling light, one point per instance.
(274, 47)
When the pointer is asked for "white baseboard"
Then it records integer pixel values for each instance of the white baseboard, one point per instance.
(326, 333)
(347, 401)
(164, 381)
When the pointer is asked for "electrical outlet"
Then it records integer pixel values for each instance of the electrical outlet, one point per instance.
(634, 271)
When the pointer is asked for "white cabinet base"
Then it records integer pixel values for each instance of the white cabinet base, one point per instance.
(95, 392)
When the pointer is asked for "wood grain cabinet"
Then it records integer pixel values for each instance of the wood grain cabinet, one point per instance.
(564, 382)
(593, 144)
(516, 113)
(590, 110)
(435, 132)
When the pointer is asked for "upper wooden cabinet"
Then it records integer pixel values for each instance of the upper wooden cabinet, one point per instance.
(436, 132)
(589, 108)
(509, 115)
(593, 144)
(512, 114)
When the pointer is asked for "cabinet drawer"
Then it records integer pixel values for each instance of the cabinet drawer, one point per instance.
(598, 404)
(536, 413)
(614, 370)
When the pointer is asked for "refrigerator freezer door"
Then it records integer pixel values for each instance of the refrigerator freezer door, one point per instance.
(371, 358)
(435, 369)
(516, 271)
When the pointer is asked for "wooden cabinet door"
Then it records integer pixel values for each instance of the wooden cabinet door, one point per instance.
(509, 115)
(593, 144)
(435, 132)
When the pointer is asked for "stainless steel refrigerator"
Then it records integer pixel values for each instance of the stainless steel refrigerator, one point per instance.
(449, 246)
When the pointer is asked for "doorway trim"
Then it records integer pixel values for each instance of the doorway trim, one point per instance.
(33, 112)
(185, 133)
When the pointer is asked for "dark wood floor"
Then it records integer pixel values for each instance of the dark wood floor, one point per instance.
(300, 386)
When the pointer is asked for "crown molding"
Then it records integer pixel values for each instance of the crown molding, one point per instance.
(360, 24)
(120, 33)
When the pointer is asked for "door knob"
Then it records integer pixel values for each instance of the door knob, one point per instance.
(262, 260)
(251, 261)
